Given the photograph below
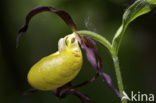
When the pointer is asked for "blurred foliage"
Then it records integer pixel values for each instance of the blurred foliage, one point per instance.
(137, 53)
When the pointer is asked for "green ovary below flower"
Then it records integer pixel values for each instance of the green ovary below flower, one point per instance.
(58, 68)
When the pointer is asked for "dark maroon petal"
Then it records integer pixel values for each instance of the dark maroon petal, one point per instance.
(92, 55)
(67, 89)
(90, 47)
(64, 15)
(82, 96)
(90, 43)
(108, 81)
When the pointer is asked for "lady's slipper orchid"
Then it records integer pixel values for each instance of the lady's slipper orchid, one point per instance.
(56, 71)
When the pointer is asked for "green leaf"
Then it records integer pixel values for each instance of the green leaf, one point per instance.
(137, 9)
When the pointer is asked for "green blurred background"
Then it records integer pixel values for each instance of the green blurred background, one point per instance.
(137, 53)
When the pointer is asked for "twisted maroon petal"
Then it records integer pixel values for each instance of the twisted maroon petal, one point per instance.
(64, 15)
(92, 55)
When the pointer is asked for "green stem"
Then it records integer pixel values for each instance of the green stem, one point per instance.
(119, 77)
(112, 51)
